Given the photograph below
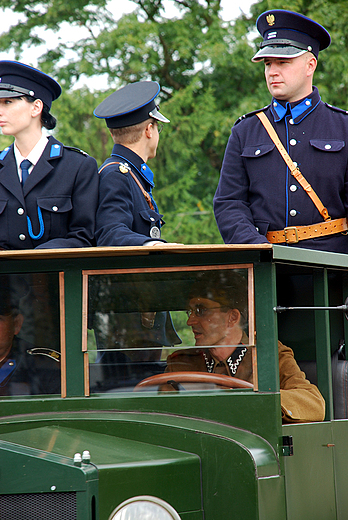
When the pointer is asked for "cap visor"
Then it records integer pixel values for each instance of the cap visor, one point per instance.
(157, 115)
(278, 52)
(9, 94)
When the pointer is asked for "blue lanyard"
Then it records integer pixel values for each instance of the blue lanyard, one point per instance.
(42, 227)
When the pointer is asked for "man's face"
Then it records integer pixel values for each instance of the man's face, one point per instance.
(154, 140)
(290, 79)
(211, 326)
(9, 326)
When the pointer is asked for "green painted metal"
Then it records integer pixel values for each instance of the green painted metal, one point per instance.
(119, 462)
(311, 476)
(266, 327)
(28, 471)
(340, 460)
(211, 455)
(322, 337)
(130, 452)
(303, 256)
(73, 334)
(247, 410)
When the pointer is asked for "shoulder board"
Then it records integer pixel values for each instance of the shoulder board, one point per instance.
(336, 109)
(42, 351)
(118, 166)
(251, 114)
(4, 153)
(76, 150)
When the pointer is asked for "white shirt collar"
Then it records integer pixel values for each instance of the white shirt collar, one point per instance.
(33, 156)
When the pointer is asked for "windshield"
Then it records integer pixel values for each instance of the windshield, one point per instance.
(141, 324)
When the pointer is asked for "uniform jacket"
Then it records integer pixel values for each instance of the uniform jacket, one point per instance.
(256, 192)
(301, 401)
(25, 374)
(64, 184)
(124, 218)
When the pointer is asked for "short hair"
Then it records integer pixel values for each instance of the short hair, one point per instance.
(129, 134)
(227, 287)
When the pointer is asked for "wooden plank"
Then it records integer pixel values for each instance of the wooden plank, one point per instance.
(89, 252)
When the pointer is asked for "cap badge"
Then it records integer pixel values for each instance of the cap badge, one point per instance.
(270, 19)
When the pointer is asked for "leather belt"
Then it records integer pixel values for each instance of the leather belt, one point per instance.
(293, 234)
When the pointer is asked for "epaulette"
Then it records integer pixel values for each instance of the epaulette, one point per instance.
(244, 116)
(336, 109)
(74, 149)
(42, 351)
(122, 167)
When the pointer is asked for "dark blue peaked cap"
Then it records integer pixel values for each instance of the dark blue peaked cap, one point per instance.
(287, 35)
(131, 105)
(18, 79)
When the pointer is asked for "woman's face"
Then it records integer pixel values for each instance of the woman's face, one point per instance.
(17, 115)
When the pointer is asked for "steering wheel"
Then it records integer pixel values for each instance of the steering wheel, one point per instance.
(193, 377)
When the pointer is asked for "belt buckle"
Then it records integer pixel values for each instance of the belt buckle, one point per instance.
(287, 240)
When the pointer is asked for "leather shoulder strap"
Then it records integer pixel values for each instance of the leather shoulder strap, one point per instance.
(294, 170)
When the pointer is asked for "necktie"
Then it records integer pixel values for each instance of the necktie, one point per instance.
(25, 165)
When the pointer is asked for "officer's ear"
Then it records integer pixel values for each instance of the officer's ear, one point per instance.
(149, 129)
(311, 64)
(37, 107)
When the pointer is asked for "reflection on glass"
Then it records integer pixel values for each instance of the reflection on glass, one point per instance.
(29, 334)
(143, 324)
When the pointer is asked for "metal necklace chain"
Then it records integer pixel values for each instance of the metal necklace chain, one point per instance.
(233, 365)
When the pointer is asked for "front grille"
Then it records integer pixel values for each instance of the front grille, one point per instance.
(38, 506)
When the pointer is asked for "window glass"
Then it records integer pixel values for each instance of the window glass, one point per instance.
(29, 334)
(141, 324)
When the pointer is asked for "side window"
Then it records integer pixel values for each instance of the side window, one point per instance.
(29, 334)
(311, 321)
(142, 324)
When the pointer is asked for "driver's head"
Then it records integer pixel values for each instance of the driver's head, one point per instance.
(217, 307)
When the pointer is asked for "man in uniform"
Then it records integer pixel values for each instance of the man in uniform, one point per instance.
(127, 213)
(217, 314)
(262, 198)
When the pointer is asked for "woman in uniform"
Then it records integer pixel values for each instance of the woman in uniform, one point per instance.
(48, 191)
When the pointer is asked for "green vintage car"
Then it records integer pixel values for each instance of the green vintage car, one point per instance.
(92, 426)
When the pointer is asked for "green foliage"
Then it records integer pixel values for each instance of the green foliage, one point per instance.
(203, 65)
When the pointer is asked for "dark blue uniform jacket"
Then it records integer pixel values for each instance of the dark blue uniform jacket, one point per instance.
(64, 185)
(25, 374)
(257, 193)
(123, 216)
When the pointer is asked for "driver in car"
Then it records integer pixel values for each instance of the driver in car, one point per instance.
(217, 312)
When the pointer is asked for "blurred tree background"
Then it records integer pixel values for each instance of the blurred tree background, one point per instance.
(203, 65)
